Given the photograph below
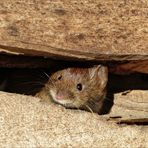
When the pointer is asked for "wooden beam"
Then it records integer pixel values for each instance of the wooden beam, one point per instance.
(79, 30)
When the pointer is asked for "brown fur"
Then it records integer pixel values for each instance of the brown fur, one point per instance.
(64, 83)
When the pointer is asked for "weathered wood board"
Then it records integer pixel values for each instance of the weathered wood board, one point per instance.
(79, 30)
(27, 122)
(130, 107)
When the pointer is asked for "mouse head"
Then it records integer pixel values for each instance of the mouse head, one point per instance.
(78, 87)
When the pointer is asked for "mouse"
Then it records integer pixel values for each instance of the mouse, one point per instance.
(80, 88)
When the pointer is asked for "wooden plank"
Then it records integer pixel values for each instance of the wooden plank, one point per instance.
(130, 107)
(78, 30)
(129, 67)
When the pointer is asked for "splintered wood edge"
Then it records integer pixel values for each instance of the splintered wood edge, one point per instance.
(128, 120)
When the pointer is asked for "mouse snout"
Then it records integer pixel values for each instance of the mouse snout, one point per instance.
(60, 96)
(64, 95)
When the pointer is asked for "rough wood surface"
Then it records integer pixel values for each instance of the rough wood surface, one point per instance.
(129, 67)
(27, 122)
(130, 107)
(84, 29)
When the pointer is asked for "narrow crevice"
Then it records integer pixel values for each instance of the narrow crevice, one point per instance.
(30, 81)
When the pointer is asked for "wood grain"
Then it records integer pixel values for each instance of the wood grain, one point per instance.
(78, 30)
(130, 108)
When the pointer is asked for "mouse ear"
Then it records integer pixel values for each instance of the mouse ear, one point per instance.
(100, 73)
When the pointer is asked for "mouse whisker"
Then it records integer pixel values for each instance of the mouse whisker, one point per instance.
(50, 80)
(42, 74)
(91, 100)
(99, 100)
(87, 106)
(46, 74)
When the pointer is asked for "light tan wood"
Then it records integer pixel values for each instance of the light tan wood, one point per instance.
(130, 108)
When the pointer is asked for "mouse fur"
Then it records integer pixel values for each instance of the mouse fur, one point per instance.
(81, 88)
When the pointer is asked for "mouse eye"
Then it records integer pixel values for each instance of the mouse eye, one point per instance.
(59, 77)
(79, 86)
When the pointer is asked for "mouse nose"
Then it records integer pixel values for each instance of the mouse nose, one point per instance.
(59, 97)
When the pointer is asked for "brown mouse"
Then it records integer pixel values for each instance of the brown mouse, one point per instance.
(82, 88)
